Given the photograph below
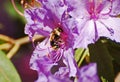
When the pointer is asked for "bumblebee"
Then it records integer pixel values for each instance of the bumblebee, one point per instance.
(55, 38)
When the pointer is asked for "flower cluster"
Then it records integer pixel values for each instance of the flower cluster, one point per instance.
(67, 25)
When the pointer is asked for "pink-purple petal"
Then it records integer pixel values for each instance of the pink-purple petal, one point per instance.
(70, 62)
(91, 22)
(115, 8)
(88, 73)
(34, 15)
(113, 24)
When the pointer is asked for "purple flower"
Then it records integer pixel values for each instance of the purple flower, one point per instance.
(96, 18)
(88, 73)
(52, 21)
(43, 66)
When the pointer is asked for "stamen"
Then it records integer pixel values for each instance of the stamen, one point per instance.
(16, 9)
(108, 28)
(96, 32)
(57, 56)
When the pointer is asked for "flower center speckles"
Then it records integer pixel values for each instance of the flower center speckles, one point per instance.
(94, 9)
(56, 40)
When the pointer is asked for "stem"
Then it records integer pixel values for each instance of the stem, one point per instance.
(26, 39)
(5, 46)
(86, 53)
(6, 38)
(16, 9)
(15, 43)
(20, 42)
(12, 52)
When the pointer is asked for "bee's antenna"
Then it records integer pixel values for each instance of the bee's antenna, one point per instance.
(16, 9)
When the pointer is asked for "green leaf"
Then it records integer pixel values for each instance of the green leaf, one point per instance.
(114, 50)
(8, 72)
(100, 54)
(80, 55)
